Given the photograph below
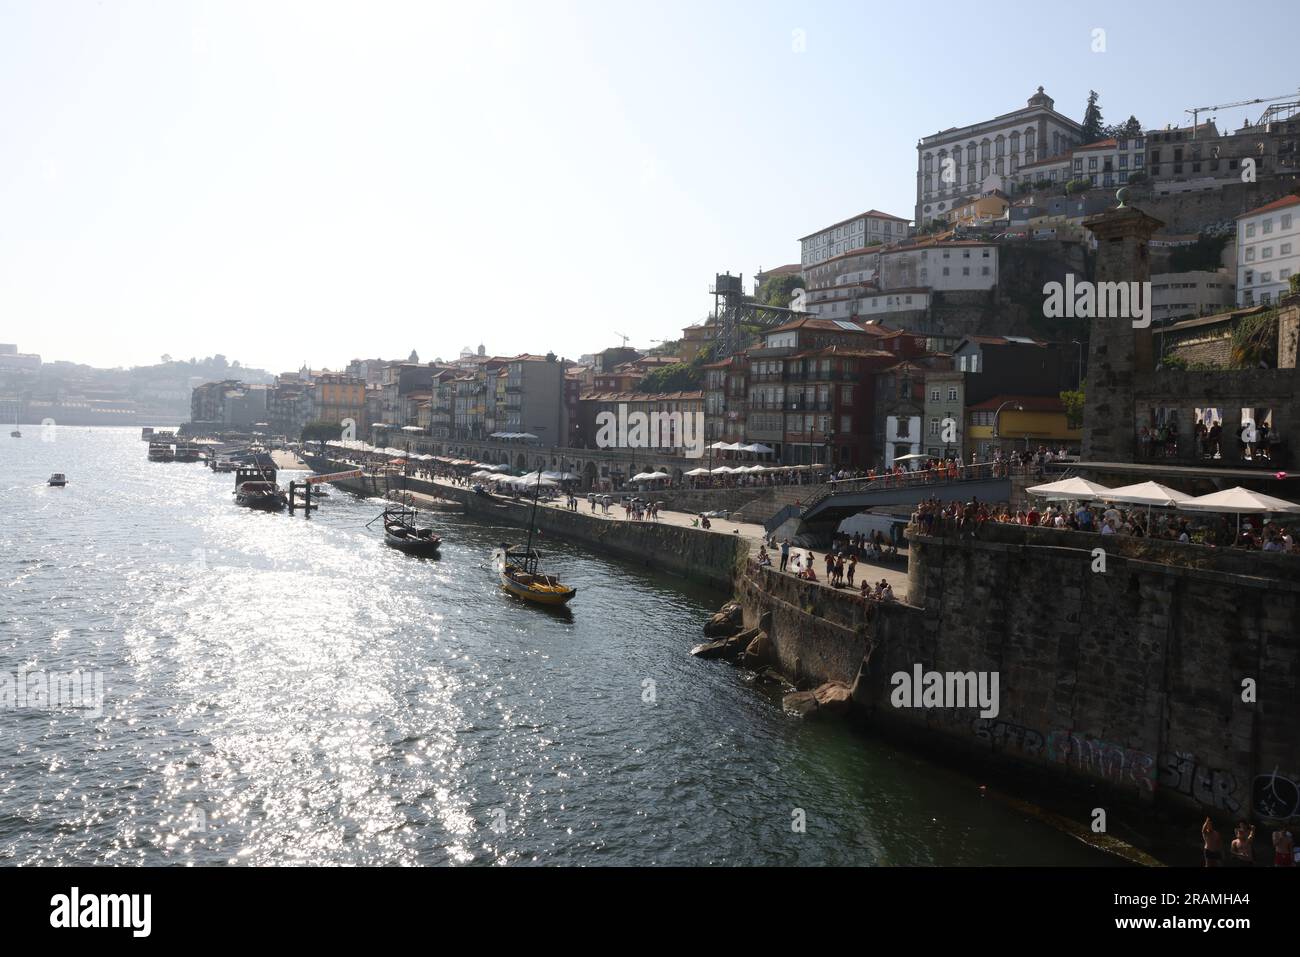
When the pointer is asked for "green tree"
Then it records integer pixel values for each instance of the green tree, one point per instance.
(1073, 400)
(678, 377)
(322, 432)
(1093, 129)
(779, 290)
(1126, 130)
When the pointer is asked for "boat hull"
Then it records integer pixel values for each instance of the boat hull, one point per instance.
(263, 503)
(423, 548)
(552, 596)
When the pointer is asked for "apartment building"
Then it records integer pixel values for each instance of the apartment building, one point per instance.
(1198, 292)
(1268, 251)
(530, 393)
(1182, 159)
(1110, 162)
(857, 232)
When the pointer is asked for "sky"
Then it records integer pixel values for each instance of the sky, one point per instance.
(285, 182)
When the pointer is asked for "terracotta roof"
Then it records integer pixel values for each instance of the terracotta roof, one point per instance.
(1282, 203)
(830, 325)
(1110, 143)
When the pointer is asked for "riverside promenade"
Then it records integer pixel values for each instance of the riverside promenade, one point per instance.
(750, 532)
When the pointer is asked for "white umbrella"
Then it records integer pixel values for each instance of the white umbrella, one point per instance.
(1071, 488)
(642, 477)
(719, 446)
(723, 470)
(660, 475)
(761, 449)
(695, 472)
(1241, 501)
(1147, 493)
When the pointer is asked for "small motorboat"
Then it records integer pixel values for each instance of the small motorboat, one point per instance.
(159, 452)
(402, 532)
(520, 576)
(58, 480)
(261, 494)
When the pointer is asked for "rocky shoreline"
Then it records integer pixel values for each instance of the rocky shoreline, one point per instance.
(752, 649)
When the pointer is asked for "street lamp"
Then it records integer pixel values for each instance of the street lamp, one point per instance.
(1011, 402)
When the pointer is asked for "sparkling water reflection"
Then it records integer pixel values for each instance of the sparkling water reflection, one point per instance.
(281, 690)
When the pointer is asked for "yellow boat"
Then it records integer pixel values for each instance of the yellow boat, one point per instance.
(517, 568)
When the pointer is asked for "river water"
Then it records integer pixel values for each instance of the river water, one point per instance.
(282, 690)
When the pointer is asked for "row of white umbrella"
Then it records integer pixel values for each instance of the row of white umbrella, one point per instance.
(1239, 501)
(746, 470)
(757, 448)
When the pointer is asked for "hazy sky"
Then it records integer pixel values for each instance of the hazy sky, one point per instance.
(319, 181)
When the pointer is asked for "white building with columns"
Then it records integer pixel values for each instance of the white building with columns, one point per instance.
(957, 163)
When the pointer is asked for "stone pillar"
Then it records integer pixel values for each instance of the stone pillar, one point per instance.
(1117, 352)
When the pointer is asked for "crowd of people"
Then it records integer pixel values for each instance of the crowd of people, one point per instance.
(1241, 850)
(840, 564)
(1254, 442)
(1255, 535)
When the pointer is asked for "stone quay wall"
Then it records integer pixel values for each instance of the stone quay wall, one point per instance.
(709, 558)
(1170, 677)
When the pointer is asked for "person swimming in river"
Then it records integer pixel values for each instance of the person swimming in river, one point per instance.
(1212, 852)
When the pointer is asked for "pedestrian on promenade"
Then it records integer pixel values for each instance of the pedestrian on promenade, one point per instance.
(853, 567)
(785, 553)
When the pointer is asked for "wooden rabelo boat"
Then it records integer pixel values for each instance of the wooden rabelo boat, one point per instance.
(403, 532)
(520, 572)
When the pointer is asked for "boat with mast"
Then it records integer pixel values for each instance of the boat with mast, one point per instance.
(520, 569)
(403, 532)
(17, 432)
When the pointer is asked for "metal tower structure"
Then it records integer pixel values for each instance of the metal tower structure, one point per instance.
(733, 311)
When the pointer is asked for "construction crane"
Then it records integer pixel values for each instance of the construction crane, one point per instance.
(624, 338)
(1196, 111)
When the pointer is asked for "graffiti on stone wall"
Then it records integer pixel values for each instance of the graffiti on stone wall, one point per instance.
(1116, 763)
(1275, 796)
(1211, 787)
(1005, 734)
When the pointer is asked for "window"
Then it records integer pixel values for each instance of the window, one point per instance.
(1268, 226)
(952, 394)
(1285, 250)
(934, 426)
(934, 395)
(1250, 230)
(945, 270)
(1250, 254)
(1286, 221)
(1267, 253)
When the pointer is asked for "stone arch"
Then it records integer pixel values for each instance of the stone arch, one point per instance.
(521, 463)
(589, 475)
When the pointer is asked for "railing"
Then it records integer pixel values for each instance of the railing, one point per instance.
(961, 473)
(781, 517)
